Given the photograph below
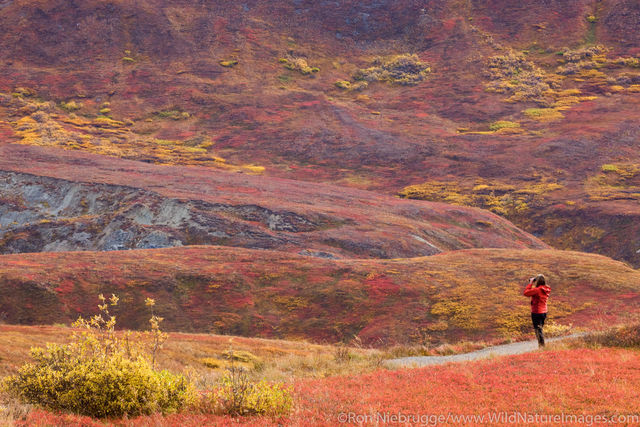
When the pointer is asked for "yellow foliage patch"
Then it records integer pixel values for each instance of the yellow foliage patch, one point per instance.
(107, 136)
(298, 64)
(403, 69)
(544, 114)
(619, 181)
(499, 197)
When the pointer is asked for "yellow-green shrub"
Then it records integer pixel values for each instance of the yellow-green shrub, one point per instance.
(298, 64)
(174, 114)
(553, 329)
(70, 106)
(23, 92)
(228, 63)
(238, 395)
(99, 374)
(502, 125)
(244, 357)
(544, 114)
(68, 378)
(400, 69)
(213, 363)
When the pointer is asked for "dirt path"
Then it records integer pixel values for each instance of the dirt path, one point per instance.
(498, 350)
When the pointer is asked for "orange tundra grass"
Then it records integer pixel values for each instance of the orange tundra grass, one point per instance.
(577, 381)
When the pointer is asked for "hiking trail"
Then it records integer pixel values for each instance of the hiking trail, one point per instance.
(498, 350)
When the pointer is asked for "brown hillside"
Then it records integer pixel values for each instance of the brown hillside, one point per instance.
(470, 294)
(251, 86)
(96, 203)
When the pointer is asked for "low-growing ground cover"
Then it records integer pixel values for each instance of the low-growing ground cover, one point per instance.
(473, 295)
(580, 381)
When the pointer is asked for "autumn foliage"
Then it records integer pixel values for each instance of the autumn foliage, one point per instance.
(462, 295)
(547, 383)
(100, 374)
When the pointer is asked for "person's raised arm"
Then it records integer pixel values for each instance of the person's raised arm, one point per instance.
(530, 291)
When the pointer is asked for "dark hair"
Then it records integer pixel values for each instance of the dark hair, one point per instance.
(539, 280)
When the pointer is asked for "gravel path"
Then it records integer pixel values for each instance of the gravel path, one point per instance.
(498, 350)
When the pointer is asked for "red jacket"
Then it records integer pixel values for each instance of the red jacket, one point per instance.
(538, 296)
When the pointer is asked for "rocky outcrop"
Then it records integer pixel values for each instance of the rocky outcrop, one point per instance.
(96, 203)
(45, 214)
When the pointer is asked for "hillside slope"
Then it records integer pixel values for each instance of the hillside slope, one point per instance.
(93, 202)
(461, 295)
(528, 108)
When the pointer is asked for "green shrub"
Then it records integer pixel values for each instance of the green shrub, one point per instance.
(609, 168)
(503, 124)
(343, 84)
(174, 114)
(229, 63)
(99, 374)
(243, 357)
(213, 363)
(298, 64)
(23, 92)
(238, 395)
(70, 106)
(63, 378)
(624, 336)
(400, 69)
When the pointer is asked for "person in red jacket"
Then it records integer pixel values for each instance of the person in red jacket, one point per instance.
(539, 292)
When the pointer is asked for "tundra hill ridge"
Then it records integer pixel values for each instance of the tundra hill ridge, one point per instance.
(527, 109)
(90, 202)
(271, 294)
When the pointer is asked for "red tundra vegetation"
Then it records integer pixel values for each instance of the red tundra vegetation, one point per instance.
(581, 382)
(236, 291)
(257, 116)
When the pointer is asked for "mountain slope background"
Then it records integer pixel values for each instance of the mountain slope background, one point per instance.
(465, 295)
(302, 128)
(529, 109)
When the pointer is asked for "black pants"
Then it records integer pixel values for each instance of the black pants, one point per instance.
(538, 323)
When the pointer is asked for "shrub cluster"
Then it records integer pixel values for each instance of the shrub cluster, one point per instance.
(617, 181)
(103, 374)
(587, 58)
(400, 69)
(505, 126)
(173, 114)
(298, 64)
(75, 379)
(514, 75)
(70, 106)
(343, 84)
(499, 197)
(626, 337)
(99, 375)
(228, 63)
(238, 395)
